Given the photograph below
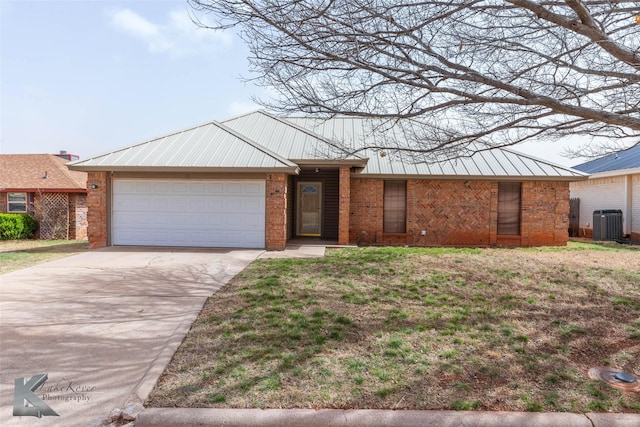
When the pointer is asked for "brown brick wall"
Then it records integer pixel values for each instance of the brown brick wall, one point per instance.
(344, 206)
(545, 213)
(97, 217)
(365, 216)
(452, 212)
(276, 212)
(3, 202)
(459, 213)
(78, 216)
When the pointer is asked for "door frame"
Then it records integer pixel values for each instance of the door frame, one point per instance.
(299, 186)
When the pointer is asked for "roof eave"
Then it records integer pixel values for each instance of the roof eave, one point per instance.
(42, 190)
(203, 169)
(476, 177)
(362, 162)
(618, 172)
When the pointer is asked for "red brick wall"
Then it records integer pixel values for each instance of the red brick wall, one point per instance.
(97, 217)
(276, 212)
(459, 213)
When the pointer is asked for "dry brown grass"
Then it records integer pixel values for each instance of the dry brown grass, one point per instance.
(493, 329)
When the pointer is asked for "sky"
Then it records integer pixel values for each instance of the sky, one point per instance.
(92, 76)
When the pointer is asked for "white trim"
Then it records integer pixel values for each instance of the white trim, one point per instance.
(26, 202)
(619, 172)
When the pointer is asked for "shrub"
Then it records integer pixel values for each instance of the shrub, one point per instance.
(17, 226)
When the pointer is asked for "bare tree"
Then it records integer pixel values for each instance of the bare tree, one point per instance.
(472, 74)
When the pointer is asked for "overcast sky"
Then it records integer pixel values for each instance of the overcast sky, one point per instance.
(90, 76)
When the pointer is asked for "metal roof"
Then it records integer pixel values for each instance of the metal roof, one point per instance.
(286, 138)
(261, 141)
(209, 147)
(499, 162)
(625, 159)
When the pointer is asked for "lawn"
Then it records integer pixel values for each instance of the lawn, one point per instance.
(18, 254)
(406, 328)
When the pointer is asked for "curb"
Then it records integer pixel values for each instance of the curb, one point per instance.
(182, 417)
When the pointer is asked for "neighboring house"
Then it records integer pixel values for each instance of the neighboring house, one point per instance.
(259, 180)
(43, 185)
(614, 184)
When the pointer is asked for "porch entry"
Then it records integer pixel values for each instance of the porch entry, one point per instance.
(309, 196)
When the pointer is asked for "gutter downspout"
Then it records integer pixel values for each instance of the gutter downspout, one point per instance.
(628, 205)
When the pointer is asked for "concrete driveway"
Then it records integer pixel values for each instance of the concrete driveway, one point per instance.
(102, 325)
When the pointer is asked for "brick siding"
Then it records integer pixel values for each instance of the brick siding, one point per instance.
(276, 211)
(545, 213)
(78, 216)
(451, 212)
(343, 215)
(97, 209)
(459, 213)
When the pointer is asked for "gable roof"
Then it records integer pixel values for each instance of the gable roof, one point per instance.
(495, 163)
(209, 147)
(39, 172)
(625, 159)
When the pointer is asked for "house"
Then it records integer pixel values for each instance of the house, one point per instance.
(259, 180)
(613, 184)
(43, 185)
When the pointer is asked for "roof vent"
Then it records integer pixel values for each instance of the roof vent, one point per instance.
(63, 152)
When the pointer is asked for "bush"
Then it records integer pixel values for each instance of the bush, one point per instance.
(17, 226)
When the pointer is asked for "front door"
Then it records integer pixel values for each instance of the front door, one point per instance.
(309, 208)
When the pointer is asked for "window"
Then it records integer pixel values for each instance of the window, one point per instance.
(16, 202)
(395, 207)
(509, 198)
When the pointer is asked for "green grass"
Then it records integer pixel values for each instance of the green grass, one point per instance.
(408, 328)
(19, 254)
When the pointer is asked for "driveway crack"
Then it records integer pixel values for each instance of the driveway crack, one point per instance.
(590, 420)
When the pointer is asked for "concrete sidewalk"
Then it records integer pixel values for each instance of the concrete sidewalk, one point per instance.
(102, 325)
(165, 417)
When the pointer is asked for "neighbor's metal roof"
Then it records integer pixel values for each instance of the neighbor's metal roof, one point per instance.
(497, 162)
(209, 147)
(626, 159)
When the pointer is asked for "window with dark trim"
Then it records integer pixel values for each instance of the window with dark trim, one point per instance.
(395, 207)
(16, 202)
(509, 207)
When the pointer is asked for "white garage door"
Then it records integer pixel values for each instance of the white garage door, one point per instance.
(189, 213)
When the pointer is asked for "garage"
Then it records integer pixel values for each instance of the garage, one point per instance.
(199, 213)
